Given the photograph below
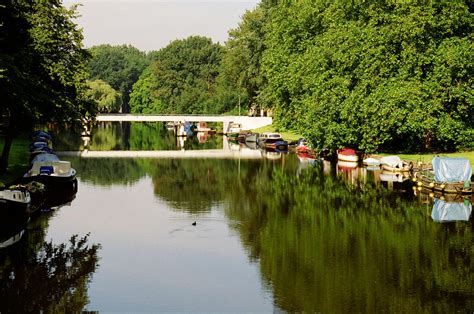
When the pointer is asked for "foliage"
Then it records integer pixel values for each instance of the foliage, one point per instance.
(120, 66)
(108, 99)
(142, 99)
(239, 73)
(180, 80)
(373, 75)
(43, 66)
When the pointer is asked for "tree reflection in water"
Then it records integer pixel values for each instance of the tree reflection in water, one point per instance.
(40, 276)
(326, 246)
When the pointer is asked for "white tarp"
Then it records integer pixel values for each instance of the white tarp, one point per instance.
(391, 161)
(446, 211)
(451, 169)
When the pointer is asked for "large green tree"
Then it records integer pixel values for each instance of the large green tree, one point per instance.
(182, 78)
(120, 66)
(43, 66)
(373, 74)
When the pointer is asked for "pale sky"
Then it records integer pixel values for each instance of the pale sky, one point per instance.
(153, 24)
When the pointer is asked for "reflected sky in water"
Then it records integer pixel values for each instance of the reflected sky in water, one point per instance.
(154, 259)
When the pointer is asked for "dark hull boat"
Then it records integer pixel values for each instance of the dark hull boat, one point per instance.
(13, 201)
(14, 215)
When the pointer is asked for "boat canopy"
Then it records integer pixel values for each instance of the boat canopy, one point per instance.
(447, 211)
(448, 169)
(391, 161)
(45, 157)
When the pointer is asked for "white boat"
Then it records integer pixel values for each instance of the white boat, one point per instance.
(371, 162)
(395, 164)
(49, 169)
(262, 137)
(15, 198)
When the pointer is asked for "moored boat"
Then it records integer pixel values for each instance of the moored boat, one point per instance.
(14, 200)
(371, 162)
(278, 145)
(270, 137)
(449, 175)
(303, 147)
(48, 169)
(395, 164)
(347, 154)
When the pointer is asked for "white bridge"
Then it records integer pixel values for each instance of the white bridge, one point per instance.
(248, 123)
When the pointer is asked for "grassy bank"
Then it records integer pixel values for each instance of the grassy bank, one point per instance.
(18, 159)
(426, 158)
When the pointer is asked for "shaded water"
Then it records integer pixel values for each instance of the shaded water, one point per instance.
(270, 234)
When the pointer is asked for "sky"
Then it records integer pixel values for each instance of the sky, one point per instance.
(152, 24)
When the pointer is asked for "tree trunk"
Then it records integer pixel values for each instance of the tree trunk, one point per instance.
(6, 148)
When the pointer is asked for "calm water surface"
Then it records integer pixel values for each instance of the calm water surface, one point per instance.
(271, 234)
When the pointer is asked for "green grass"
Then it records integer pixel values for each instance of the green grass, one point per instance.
(426, 158)
(17, 160)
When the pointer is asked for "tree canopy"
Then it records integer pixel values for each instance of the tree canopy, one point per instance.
(119, 66)
(181, 79)
(373, 75)
(43, 66)
(108, 99)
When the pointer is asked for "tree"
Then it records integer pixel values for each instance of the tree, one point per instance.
(141, 98)
(182, 78)
(120, 66)
(240, 77)
(43, 66)
(108, 99)
(373, 75)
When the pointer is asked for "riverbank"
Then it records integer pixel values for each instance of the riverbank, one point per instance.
(415, 157)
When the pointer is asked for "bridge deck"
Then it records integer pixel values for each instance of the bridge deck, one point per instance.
(247, 122)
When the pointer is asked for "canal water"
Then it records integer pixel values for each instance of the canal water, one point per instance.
(261, 232)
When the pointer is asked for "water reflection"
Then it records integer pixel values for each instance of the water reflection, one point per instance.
(38, 276)
(330, 247)
(444, 211)
(325, 237)
(12, 225)
(131, 136)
